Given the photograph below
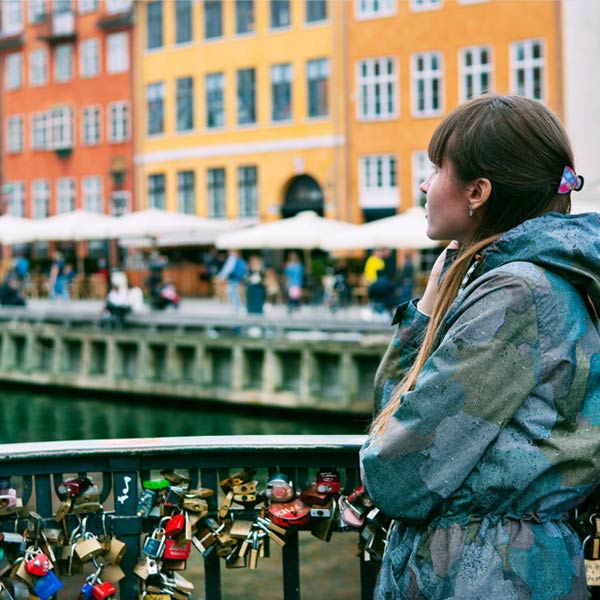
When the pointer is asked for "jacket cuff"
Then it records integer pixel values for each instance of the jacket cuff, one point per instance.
(411, 324)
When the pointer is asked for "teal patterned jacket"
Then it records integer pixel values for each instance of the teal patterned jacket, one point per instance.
(501, 434)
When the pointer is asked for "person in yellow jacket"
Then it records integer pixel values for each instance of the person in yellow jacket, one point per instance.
(374, 264)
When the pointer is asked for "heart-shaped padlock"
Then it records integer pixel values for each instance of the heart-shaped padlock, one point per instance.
(37, 563)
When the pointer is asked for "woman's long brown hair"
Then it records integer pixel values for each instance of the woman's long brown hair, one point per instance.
(522, 148)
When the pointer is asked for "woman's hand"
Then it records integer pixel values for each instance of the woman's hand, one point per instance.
(425, 305)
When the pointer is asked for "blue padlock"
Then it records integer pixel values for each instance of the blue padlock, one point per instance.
(45, 587)
(86, 591)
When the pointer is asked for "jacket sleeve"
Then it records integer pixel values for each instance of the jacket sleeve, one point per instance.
(401, 352)
(481, 372)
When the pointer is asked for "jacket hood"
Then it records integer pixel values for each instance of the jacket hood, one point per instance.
(568, 245)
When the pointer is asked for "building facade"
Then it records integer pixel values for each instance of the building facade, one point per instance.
(240, 109)
(66, 106)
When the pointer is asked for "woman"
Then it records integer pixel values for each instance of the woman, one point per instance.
(294, 278)
(488, 398)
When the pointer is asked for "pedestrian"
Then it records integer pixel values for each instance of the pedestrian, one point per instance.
(9, 292)
(21, 269)
(487, 427)
(57, 279)
(294, 276)
(255, 286)
(117, 306)
(234, 271)
(374, 263)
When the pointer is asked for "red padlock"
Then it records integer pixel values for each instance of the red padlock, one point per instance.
(175, 525)
(103, 590)
(289, 513)
(328, 482)
(37, 564)
(175, 551)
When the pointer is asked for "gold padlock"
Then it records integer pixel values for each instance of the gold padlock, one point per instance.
(112, 573)
(116, 551)
(87, 547)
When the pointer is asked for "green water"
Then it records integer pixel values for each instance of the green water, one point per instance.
(38, 416)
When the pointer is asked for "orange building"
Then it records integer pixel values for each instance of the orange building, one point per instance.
(412, 61)
(66, 106)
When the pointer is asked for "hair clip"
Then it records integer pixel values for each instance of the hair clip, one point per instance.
(570, 181)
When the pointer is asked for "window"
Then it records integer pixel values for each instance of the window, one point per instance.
(246, 96)
(186, 192)
(93, 200)
(317, 74)
(15, 201)
(377, 89)
(38, 67)
(378, 182)
(65, 194)
(427, 84)
(39, 124)
(244, 16)
(156, 191)
(89, 58)
(40, 190)
(369, 9)
(247, 192)
(60, 128)
(118, 122)
(12, 16)
(87, 6)
(280, 14)
(14, 134)
(185, 103)
(90, 126)
(281, 92)
(117, 52)
(154, 23)
(37, 10)
(475, 72)
(14, 71)
(421, 168)
(155, 99)
(216, 193)
(316, 10)
(425, 4)
(114, 7)
(215, 106)
(213, 19)
(183, 21)
(527, 69)
(63, 62)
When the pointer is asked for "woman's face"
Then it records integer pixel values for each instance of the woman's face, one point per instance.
(447, 206)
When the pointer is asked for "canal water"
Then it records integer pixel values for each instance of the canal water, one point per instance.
(36, 415)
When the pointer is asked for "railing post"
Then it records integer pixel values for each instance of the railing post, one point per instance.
(290, 555)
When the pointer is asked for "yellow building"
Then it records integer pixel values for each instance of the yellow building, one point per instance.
(412, 61)
(239, 108)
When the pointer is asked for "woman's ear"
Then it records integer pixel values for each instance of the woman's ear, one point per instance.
(479, 191)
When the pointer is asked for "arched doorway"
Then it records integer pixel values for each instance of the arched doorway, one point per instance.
(303, 193)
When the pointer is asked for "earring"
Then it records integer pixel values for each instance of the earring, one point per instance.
(471, 210)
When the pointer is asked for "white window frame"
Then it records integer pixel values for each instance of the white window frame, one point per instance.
(423, 5)
(38, 67)
(12, 16)
(39, 131)
(528, 64)
(15, 132)
(92, 193)
(40, 196)
(91, 125)
(428, 75)
(63, 63)
(114, 7)
(36, 10)
(13, 79)
(182, 198)
(374, 9)
(15, 199)
(118, 131)
(89, 58)
(421, 169)
(87, 6)
(475, 70)
(117, 52)
(61, 127)
(375, 184)
(369, 85)
(65, 195)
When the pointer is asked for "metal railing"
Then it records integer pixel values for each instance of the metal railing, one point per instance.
(119, 466)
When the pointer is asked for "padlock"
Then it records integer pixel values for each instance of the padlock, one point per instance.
(328, 481)
(156, 484)
(194, 504)
(63, 509)
(74, 486)
(103, 590)
(145, 568)
(174, 477)
(86, 591)
(311, 497)
(175, 525)
(348, 514)
(323, 526)
(19, 571)
(112, 573)
(174, 496)
(173, 565)
(200, 493)
(87, 494)
(116, 551)
(290, 513)
(88, 547)
(175, 551)
(9, 503)
(36, 562)
(237, 479)
(245, 488)
(85, 508)
(146, 502)
(45, 587)
(154, 545)
(279, 488)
